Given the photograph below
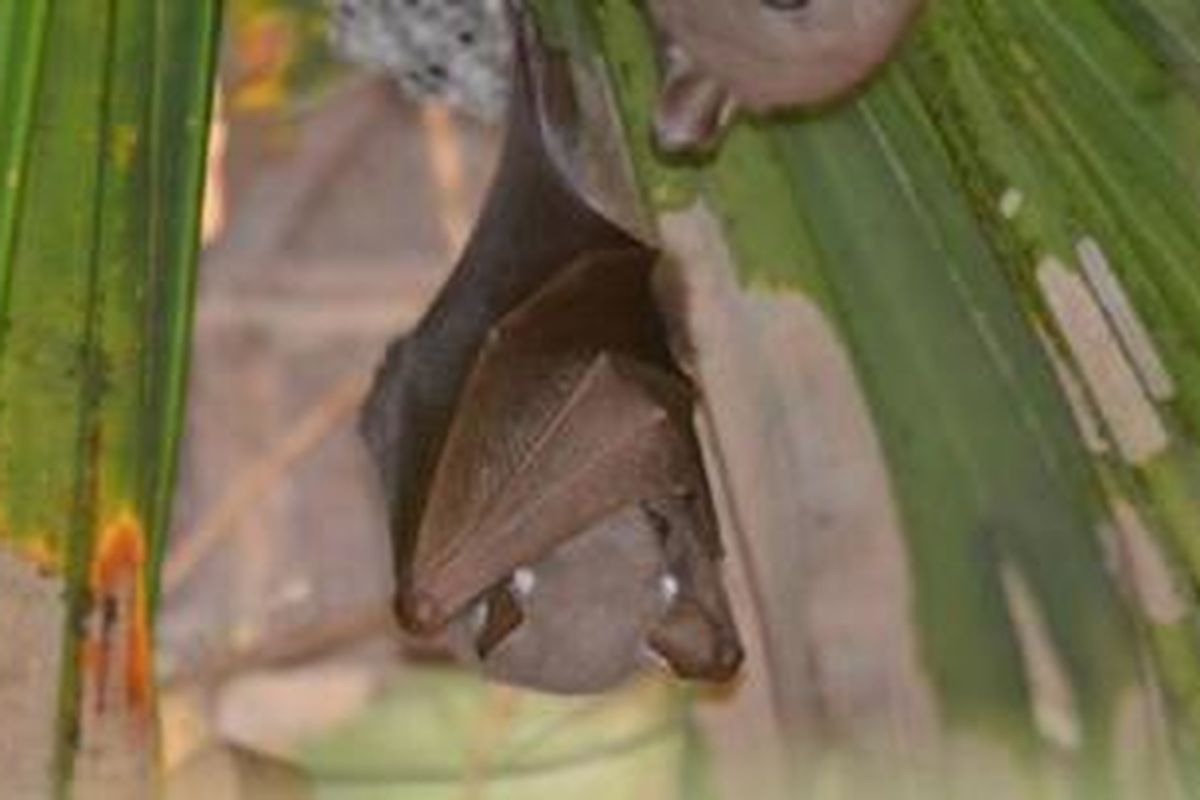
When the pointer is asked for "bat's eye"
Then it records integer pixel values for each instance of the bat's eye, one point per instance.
(786, 5)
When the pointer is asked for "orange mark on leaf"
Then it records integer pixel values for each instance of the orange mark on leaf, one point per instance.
(118, 630)
(120, 551)
(265, 48)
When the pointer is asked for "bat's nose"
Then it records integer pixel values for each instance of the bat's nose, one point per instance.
(695, 646)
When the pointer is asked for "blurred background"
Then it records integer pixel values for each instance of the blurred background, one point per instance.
(335, 208)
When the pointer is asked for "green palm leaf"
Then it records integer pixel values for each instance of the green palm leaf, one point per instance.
(104, 111)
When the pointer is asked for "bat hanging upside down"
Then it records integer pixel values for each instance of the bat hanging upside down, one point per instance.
(549, 508)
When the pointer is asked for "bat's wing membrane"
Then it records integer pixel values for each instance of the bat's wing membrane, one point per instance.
(535, 221)
(613, 444)
(593, 420)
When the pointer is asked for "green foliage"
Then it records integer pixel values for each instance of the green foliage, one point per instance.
(923, 217)
(105, 110)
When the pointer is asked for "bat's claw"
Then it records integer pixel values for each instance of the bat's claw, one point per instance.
(419, 613)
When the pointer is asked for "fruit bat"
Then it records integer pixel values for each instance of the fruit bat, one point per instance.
(763, 55)
(549, 509)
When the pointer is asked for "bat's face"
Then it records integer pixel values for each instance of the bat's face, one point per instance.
(772, 53)
(591, 614)
(767, 54)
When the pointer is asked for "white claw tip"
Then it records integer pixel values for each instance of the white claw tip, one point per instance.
(523, 580)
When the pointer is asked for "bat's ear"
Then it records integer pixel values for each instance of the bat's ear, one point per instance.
(693, 110)
(501, 616)
(695, 645)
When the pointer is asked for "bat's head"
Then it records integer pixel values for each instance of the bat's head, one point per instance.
(765, 55)
(587, 617)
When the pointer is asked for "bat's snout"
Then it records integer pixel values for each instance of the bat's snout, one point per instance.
(695, 646)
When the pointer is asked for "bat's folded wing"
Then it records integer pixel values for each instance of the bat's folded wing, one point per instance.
(614, 440)
(571, 411)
